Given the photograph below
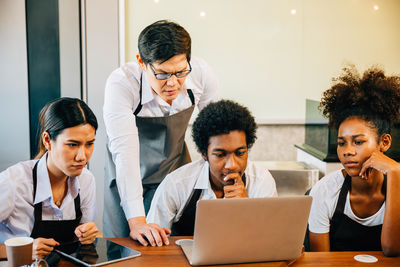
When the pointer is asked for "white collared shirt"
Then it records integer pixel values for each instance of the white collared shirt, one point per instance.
(17, 203)
(175, 190)
(121, 99)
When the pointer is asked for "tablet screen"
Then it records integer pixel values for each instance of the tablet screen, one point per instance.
(101, 252)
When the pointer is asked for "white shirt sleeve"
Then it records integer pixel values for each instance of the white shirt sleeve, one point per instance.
(269, 183)
(319, 219)
(265, 187)
(88, 198)
(260, 182)
(164, 207)
(7, 195)
(209, 83)
(119, 102)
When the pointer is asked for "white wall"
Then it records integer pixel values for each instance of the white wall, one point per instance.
(70, 56)
(102, 58)
(14, 113)
(259, 48)
(338, 31)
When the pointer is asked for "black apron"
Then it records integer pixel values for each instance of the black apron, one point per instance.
(162, 142)
(61, 231)
(185, 225)
(162, 150)
(346, 234)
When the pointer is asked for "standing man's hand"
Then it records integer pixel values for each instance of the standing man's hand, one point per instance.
(146, 233)
(237, 189)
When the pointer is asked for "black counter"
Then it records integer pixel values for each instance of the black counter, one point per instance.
(321, 142)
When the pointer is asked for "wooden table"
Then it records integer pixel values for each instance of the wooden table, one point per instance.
(343, 258)
(172, 255)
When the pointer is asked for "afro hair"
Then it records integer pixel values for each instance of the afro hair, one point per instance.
(223, 117)
(373, 97)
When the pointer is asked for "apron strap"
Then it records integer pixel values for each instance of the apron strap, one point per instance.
(384, 185)
(139, 107)
(185, 224)
(34, 174)
(342, 195)
(194, 197)
(191, 96)
(38, 206)
(78, 212)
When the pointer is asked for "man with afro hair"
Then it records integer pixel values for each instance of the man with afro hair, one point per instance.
(223, 132)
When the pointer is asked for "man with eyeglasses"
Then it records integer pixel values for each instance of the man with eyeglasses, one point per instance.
(147, 107)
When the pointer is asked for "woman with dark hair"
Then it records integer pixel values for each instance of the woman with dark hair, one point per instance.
(150, 102)
(53, 198)
(358, 207)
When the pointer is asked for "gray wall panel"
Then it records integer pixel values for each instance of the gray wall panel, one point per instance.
(14, 113)
(102, 59)
(70, 50)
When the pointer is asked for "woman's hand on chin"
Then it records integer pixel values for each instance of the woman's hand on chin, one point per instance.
(379, 162)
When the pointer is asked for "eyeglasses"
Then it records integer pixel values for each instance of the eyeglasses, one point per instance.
(165, 76)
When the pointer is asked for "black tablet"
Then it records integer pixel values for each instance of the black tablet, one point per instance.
(101, 252)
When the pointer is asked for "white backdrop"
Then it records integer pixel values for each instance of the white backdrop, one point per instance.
(14, 109)
(273, 54)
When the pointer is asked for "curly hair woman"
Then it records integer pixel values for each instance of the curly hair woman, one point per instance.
(358, 207)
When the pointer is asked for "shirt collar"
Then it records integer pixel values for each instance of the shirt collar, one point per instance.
(73, 186)
(147, 92)
(43, 187)
(203, 181)
(188, 83)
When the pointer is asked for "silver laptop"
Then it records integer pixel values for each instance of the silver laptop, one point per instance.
(248, 230)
